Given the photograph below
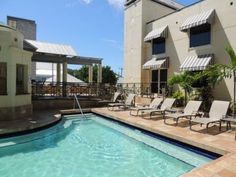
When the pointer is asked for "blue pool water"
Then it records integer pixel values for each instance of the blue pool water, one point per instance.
(95, 147)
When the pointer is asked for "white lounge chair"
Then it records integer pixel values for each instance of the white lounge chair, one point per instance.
(218, 111)
(190, 110)
(153, 105)
(128, 103)
(115, 97)
(166, 105)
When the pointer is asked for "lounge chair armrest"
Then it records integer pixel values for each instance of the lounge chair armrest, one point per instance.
(199, 114)
(170, 110)
(142, 104)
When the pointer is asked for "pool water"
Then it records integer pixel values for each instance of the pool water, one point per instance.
(93, 147)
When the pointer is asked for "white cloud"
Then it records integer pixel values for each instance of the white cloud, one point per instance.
(119, 4)
(87, 1)
(113, 43)
(73, 3)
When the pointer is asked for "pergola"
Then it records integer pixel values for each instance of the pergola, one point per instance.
(62, 55)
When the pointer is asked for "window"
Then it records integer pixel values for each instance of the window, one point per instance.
(200, 35)
(3, 78)
(158, 46)
(12, 23)
(21, 79)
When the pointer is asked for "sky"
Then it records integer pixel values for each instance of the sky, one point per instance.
(93, 27)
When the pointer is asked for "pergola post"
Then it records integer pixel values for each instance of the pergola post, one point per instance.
(58, 72)
(90, 74)
(64, 79)
(99, 73)
(99, 77)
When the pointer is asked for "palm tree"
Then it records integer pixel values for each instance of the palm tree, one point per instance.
(230, 70)
(185, 81)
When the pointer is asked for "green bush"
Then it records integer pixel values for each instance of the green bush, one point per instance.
(179, 96)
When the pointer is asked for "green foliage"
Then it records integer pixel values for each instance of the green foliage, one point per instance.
(184, 79)
(108, 76)
(212, 75)
(232, 55)
(178, 95)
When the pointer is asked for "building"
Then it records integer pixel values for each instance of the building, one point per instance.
(163, 38)
(19, 54)
(15, 69)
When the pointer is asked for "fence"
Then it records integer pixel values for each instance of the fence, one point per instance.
(60, 89)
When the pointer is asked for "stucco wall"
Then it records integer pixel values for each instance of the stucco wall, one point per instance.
(223, 34)
(12, 53)
(136, 17)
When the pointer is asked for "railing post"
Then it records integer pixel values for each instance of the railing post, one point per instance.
(64, 85)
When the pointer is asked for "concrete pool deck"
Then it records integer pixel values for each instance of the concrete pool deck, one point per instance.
(219, 142)
(39, 119)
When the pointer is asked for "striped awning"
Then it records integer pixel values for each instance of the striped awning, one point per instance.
(199, 19)
(157, 63)
(156, 33)
(196, 63)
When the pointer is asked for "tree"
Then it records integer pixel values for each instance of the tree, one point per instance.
(185, 80)
(229, 71)
(108, 75)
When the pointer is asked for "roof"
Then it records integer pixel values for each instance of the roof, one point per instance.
(169, 3)
(70, 79)
(19, 19)
(184, 7)
(50, 48)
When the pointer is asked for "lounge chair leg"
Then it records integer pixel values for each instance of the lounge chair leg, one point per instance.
(207, 127)
(220, 127)
(177, 121)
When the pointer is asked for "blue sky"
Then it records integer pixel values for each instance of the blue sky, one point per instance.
(92, 27)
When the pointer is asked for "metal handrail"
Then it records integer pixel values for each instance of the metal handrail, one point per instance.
(77, 101)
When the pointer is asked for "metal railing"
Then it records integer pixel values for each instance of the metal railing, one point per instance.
(78, 104)
(105, 91)
(60, 89)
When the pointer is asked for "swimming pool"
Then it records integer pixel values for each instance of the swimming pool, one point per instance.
(94, 147)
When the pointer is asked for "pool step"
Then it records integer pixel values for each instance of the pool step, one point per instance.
(74, 111)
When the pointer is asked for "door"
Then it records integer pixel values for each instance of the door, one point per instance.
(159, 79)
(154, 84)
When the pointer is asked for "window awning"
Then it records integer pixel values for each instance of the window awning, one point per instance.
(157, 63)
(196, 63)
(199, 19)
(156, 33)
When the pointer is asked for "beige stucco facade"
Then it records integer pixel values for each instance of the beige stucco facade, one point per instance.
(13, 105)
(136, 17)
(223, 33)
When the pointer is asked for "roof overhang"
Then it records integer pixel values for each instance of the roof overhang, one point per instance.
(77, 60)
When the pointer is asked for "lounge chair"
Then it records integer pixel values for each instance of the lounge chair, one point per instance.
(190, 110)
(128, 103)
(115, 97)
(218, 111)
(153, 105)
(165, 106)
